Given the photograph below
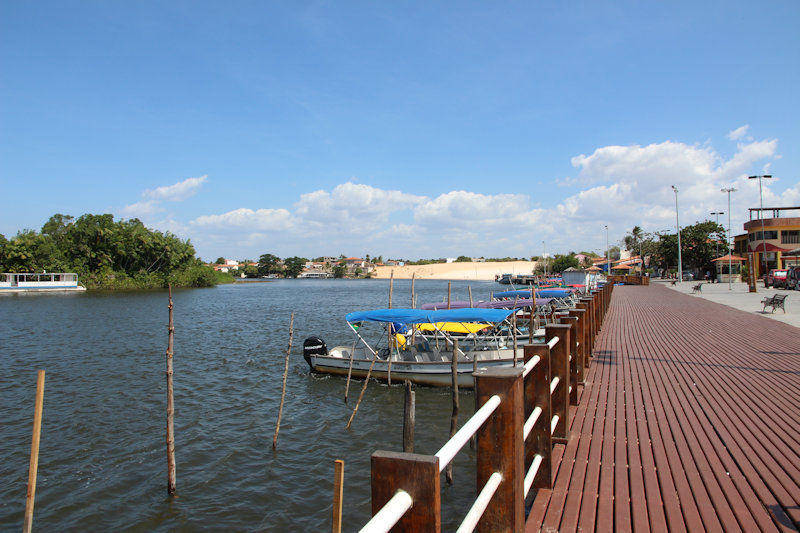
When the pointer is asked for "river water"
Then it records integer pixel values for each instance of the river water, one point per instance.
(102, 463)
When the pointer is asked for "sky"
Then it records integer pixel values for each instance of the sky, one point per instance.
(406, 129)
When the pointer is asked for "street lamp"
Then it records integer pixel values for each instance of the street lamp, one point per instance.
(717, 214)
(544, 258)
(761, 216)
(678, 225)
(729, 190)
(608, 254)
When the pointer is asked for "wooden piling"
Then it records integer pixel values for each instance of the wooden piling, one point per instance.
(391, 287)
(469, 290)
(413, 298)
(33, 466)
(283, 389)
(409, 419)
(338, 492)
(390, 339)
(170, 401)
(454, 415)
(448, 294)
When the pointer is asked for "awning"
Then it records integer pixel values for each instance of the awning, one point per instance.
(540, 293)
(769, 247)
(419, 316)
(729, 257)
(494, 304)
(454, 327)
(792, 253)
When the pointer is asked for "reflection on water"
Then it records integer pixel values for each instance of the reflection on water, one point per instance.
(102, 462)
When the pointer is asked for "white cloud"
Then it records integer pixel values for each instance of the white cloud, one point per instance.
(141, 209)
(738, 133)
(247, 219)
(176, 192)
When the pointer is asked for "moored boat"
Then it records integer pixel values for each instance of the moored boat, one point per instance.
(39, 282)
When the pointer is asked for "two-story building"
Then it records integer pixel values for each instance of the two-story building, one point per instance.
(769, 237)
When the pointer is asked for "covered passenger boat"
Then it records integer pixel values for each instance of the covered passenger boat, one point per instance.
(418, 345)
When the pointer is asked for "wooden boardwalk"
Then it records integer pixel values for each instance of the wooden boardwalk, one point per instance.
(690, 420)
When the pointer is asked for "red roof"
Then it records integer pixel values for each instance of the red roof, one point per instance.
(730, 257)
(769, 246)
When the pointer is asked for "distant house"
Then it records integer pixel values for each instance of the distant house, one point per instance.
(354, 262)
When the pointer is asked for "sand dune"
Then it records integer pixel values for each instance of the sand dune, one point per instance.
(478, 271)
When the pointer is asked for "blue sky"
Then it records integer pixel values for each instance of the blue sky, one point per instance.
(415, 129)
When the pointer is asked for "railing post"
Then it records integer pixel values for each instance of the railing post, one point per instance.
(537, 394)
(587, 329)
(580, 335)
(591, 325)
(559, 368)
(572, 357)
(416, 474)
(598, 315)
(500, 448)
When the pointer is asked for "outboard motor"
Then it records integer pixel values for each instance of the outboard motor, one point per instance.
(313, 346)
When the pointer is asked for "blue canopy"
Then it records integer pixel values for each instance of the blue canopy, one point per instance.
(422, 316)
(540, 293)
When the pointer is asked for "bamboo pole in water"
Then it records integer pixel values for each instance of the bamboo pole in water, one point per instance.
(389, 329)
(454, 415)
(469, 290)
(409, 418)
(170, 401)
(532, 326)
(363, 390)
(448, 294)
(338, 490)
(33, 467)
(413, 298)
(283, 389)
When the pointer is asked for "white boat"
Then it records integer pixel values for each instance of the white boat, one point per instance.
(39, 282)
(413, 354)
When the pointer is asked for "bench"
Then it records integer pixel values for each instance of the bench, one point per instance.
(697, 288)
(775, 301)
(673, 282)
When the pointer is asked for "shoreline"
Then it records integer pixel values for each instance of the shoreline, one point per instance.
(456, 271)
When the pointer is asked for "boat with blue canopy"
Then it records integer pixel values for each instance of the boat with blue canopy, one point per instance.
(418, 345)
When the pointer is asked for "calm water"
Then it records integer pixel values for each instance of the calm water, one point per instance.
(102, 460)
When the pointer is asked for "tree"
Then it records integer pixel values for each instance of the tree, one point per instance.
(698, 248)
(268, 264)
(463, 259)
(339, 270)
(220, 261)
(294, 266)
(563, 262)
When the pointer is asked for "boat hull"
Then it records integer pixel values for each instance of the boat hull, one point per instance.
(434, 374)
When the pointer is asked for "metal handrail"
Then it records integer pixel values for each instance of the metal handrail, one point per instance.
(531, 474)
(450, 448)
(390, 514)
(481, 503)
(553, 424)
(530, 364)
(554, 384)
(552, 342)
(530, 422)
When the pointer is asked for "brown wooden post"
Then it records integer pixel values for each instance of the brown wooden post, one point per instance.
(559, 367)
(580, 337)
(413, 279)
(170, 402)
(338, 490)
(33, 466)
(409, 419)
(572, 357)
(598, 315)
(500, 448)
(590, 322)
(587, 329)
(416, 474)
(454, 414)
(537, 394)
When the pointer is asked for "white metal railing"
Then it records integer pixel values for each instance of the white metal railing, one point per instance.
(390, 514)
(481, 503)
(553, 424)
(530, 364)
(530, 422)
(554, 384)
(532, 471)
(552, 342)
(447, 452)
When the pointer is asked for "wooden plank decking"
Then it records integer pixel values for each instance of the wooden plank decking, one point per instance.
(690, 420)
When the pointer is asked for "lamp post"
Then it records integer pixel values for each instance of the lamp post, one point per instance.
(544, 258)
(717, 214)
(729, 190)
(678, 225)
(761, 216)
(608, 254)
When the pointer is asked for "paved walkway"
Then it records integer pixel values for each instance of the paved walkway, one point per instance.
(690, 420)
(740, 298)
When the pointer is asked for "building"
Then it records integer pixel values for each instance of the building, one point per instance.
(781, 234)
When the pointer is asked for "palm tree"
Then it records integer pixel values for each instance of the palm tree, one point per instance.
(633, 239)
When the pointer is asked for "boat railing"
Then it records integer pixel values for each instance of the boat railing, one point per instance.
(522, 412)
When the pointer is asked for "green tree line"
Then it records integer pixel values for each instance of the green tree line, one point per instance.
(107, 254)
